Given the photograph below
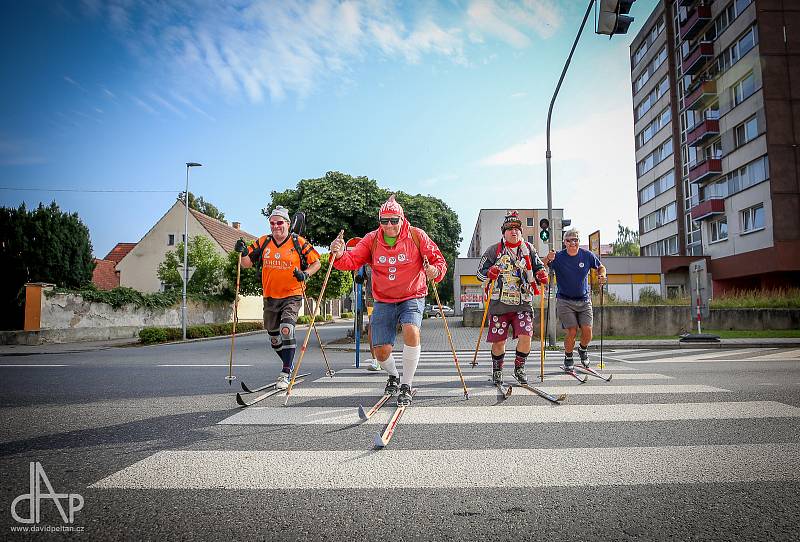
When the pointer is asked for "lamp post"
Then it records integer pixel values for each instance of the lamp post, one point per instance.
(186, 246)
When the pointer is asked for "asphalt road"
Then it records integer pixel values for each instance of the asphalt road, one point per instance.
(680, 445)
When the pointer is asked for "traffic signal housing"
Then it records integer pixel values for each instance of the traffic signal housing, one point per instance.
(544, 235)
(613, 18)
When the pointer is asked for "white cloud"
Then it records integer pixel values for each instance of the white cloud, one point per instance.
(260, 48)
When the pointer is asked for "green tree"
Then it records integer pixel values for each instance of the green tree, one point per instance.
(627, 243)
(207, 208)
(44, 245)
(208, 263)
(340, 283)
(339, 201)
(249, 279)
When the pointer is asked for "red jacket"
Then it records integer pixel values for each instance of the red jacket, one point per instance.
(397, 272)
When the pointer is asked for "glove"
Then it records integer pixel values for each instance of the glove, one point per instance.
(541, 276)
(359, 279)
(301, 276)
(493, 273)
(240, 246)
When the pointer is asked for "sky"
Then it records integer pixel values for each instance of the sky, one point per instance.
(103, 102)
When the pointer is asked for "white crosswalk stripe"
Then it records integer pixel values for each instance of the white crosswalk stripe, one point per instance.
(324, 402)
(703, 355)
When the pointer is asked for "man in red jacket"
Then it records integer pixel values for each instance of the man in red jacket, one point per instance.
(395, 251)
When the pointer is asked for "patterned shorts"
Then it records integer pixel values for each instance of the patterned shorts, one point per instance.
(499, 324)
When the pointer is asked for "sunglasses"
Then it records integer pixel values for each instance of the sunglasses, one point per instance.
(278, 223)
(571, 241)
(394, 220)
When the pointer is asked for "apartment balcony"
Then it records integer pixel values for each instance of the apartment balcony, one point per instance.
(698, 57)
(703, 95)
(708, 208)
(692, 26)
(686, 3)
(703, 132)
(705, 170)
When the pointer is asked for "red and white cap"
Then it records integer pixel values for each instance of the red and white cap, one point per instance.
(391, 207)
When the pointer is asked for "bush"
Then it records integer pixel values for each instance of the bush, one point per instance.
(151, 335)
(779, 298)
(648, 296)
(348, 315)
(303, 319)
(328, 317)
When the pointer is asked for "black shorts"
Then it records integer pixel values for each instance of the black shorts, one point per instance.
(281, 311)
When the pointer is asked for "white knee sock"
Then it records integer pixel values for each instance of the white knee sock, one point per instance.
(389, 366)
(410, 360)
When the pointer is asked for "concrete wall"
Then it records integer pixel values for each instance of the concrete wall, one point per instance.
(667, 320)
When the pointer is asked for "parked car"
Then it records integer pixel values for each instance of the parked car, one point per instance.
(432, 311)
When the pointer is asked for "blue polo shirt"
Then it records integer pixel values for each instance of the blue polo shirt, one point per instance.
(571, 273)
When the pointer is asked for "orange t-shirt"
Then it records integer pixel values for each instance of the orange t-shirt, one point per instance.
(278, 264)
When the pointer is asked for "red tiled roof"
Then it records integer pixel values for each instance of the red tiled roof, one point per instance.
(223, 234)
(119, 252)
(104, 275)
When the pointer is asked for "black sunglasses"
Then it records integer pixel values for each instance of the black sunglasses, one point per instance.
(394, 220)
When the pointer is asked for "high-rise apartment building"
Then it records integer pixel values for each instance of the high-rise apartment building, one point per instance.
(716, 100)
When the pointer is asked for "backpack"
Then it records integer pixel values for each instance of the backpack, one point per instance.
(302, 251)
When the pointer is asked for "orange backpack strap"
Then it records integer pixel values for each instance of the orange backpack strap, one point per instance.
(414, 237)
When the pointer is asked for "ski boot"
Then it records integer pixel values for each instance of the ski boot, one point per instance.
(404, 397)
(568, 365)
(519, 374)
(584, 355)
(391, 385)
(282, 382)
(497, 376)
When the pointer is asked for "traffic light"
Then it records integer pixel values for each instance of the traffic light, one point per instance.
(613, 18)
(544, 235)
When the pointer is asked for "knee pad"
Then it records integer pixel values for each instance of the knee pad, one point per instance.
(275, 338)
(287, 334)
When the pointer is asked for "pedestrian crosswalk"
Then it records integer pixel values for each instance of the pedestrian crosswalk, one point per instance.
(427, 453)
(703, 355)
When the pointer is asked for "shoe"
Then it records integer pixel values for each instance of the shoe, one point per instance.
(404, 398)
(519, 374)
(497, 376)
(373, 365)
(584, 355)
(568, 365)
(282, 382)
(391, 385)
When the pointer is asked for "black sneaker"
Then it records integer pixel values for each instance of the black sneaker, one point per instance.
(568, 366)
(497, 376)
(519, 374)
(392, 385)
(584, 355)
(404, 398)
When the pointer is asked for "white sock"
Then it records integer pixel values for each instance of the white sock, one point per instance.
(410, 360)
(389, 366)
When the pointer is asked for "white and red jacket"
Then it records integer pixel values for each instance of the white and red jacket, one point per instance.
(397, 272)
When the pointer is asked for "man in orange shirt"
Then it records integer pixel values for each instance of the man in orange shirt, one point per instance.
(287, 260)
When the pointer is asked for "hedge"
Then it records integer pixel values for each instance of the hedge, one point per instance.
(152, 335)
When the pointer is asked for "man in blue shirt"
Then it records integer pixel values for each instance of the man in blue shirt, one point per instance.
(574, 300)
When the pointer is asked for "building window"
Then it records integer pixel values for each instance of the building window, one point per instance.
(171, 240)
(649, 101)
(658, 218)
(746, 131)
(740, 47)
(659, 186)
(529, 222)
(651, 129)
(657, 156)
(753, 218)
(530, 237)
(748, 175)
(743, 89)
(718, 229)
(664, 247)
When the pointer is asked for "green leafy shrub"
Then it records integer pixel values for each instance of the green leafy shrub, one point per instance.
(328, 317)
(151, 335)
(348, 315)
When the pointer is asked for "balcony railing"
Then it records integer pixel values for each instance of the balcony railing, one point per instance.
(696, 22)
(704, 170)
(708, 208)
(698, 57)
(702, 95)
(702, 132)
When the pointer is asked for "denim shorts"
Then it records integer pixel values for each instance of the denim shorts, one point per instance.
(386, 316)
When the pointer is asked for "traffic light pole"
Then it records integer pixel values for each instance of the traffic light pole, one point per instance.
(551, 308)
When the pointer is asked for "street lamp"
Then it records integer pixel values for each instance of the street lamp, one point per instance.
(186, 246)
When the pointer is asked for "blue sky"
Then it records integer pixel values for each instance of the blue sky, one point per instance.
(446, 98)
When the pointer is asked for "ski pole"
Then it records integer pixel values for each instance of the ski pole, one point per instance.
(549, 282)
(328, 371)
(541, 333)
(483, 322)
(313, 315)
(230, 378)
(447, 329)
(602, 286)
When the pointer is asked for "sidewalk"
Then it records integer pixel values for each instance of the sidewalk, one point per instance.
(434, 339)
